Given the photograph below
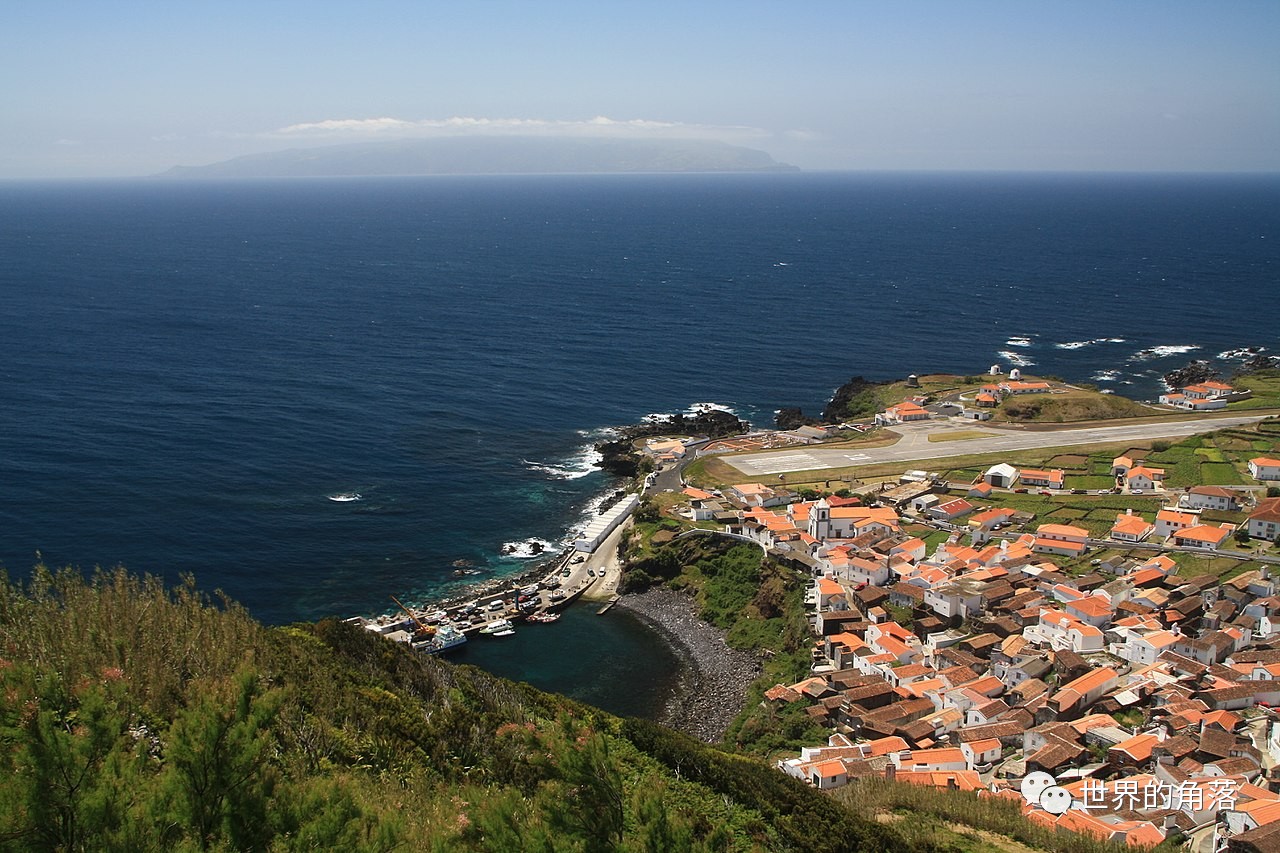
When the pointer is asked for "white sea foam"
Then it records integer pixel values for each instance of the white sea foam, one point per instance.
(1083, 344)
(1016, 359)
(693, 410)
(699, 408)
(1163, 351)
(528, 548)
(1242, 353)
(1106, 376)
(580, 465)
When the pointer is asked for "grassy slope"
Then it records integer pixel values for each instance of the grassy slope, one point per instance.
(189, 725)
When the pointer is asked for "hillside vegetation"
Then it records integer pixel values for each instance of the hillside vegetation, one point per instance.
(143, 718)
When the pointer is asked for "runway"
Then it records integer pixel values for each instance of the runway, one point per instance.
(915, 446)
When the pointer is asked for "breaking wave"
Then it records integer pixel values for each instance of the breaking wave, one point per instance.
(527, 549)
(1242, 353)
(1163, 351)
(1083, 344)
(1016, 359)
(580, 465)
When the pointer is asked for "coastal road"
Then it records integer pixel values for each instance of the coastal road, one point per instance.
(915, 445)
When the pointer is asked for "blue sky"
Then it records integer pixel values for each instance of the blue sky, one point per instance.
(105, 88)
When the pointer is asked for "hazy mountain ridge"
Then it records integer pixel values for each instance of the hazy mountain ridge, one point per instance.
(491, 155)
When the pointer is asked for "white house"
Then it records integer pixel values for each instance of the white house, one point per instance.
(1170, 521)
(930, 760)
(981, 752)
(951, 509)
(1206, 536)
(1047, 479)
(1061, 630)
(1144, 648)
(1264, 522)
(1264, 468)
(1209, 497)
(959, 598)
(1131, 528)
(902, 413)
(1061, 539)
(1142, 478)
(1208, 390)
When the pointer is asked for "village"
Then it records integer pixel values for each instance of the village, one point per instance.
(1112, 621)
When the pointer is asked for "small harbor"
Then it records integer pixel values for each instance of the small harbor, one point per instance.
(531, 598)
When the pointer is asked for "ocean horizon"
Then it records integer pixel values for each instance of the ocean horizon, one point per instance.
(192, 369)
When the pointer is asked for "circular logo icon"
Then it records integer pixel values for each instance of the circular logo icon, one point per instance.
(1034, 785)
(1055, 800)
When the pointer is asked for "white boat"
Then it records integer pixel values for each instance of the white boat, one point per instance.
(446, 637)
(344, 497)
(499, 628)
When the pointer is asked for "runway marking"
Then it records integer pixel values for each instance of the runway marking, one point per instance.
(777, 464)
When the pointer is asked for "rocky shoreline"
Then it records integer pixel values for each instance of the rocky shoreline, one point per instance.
(713, 685)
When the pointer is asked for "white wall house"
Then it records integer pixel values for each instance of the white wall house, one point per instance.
(1264, 522)
(1210, 497)
(1264, 468)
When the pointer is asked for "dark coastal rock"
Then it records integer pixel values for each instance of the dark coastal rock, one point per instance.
(857, 398)
(1258, 361)
(791, 417)
(1196, 371)
(714, 683)
(619, 457)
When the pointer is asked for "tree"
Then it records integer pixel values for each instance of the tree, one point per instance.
(590, 780)
(71, 782)
(217, 782)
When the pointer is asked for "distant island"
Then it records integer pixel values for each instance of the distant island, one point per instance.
(491, 156)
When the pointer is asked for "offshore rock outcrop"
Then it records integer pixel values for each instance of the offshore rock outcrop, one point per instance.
(1196, 371)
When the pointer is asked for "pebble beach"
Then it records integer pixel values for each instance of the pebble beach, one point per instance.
(713, 686)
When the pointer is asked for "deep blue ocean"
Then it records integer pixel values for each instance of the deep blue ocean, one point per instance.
(189, 370)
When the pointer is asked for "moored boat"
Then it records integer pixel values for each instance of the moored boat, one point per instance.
(446, 637)
(542, 616)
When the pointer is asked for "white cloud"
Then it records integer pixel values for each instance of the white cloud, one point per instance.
(347, 125)
(599, 126)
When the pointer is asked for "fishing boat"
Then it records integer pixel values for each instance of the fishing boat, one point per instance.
(345, 497)
(543, 616)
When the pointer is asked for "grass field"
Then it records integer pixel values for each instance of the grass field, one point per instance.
(1265, 385)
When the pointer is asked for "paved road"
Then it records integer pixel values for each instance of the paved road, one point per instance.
(915, 445)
